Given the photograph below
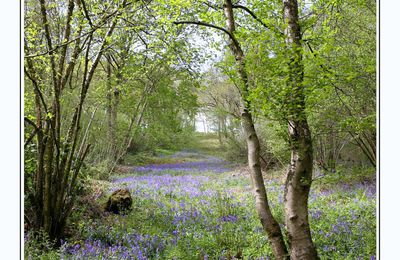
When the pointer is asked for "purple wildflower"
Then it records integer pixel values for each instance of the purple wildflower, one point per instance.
(229, 218)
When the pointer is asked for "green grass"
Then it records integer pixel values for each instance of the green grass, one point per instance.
(193, 215)
(342, 221)
(207, 144)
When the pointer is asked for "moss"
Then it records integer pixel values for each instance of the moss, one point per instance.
(119, 201)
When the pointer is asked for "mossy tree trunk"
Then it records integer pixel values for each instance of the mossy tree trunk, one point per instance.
(299, 175)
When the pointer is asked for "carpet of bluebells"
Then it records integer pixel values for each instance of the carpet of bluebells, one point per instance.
(201, 208)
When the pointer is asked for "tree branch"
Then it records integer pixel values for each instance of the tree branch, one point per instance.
(86, 13)
(27, 120)
(48, 38)
(275, 29)
(35, 85)
(215, 7)
(208, 25)
(32, 135)
(95, 28)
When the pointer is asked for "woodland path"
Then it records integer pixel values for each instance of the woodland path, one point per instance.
(192, 205)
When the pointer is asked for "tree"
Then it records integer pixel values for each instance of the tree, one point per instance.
(48, 65)
(299, 175)
(269, 223)
(340, 64)
(221, 101)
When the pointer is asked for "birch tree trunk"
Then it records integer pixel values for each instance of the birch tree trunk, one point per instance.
(270, 225)
(268, 222)
(299, 175)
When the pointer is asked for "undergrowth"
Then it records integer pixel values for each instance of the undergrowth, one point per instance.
(189, 205)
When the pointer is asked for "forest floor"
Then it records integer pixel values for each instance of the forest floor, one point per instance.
(194, 205)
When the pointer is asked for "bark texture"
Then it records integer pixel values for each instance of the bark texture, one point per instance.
(299, 175)
(270, 225)
(268, 222)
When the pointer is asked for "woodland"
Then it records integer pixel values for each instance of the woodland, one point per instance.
(230, 129)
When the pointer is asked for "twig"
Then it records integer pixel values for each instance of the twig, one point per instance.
(275, 29)
(207, 25)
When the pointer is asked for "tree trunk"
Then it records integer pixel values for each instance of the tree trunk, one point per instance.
(224, 131)
(367, 143)
(220, 130)
(268, 222)
(111, 113)
(299, 175)
(135, 122)
(270, 225)
(114, 117)
(58, 164)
